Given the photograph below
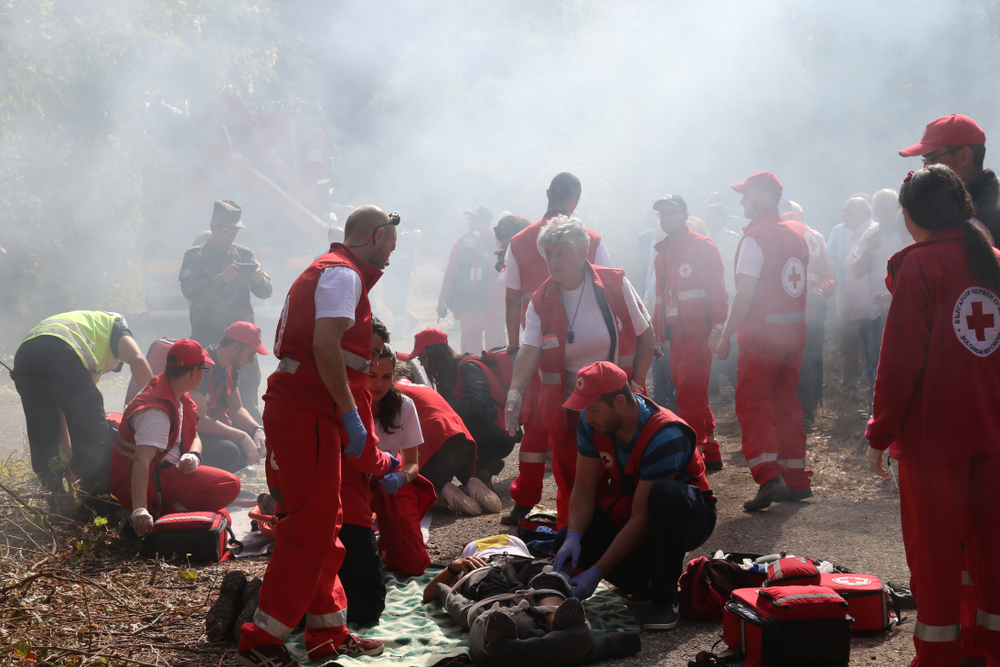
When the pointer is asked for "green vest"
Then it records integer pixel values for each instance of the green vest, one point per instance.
(88, 332)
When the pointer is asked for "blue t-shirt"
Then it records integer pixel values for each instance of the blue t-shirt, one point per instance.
(666, 454)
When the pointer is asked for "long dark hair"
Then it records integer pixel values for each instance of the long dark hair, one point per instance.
(936, 200)
(392, 403)
(442, 368)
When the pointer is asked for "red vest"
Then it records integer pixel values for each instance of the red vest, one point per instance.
(819, 275)
(438, 421)
(297, 378)
(616, 488)
(690, 287)
(530, 263)
(157, 394)
(777, 318)
(552, 367)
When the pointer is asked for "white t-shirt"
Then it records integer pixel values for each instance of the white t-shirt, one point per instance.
(406, 436)
(751, 261)
(590, 334)
(152, 428)
(858, 290)
(337, 293)
(511, 277)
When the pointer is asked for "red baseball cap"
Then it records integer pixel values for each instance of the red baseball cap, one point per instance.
(764, 181)
(593, 381)
(246, 332)
(953, 130)
(430, 336)
(186, 352)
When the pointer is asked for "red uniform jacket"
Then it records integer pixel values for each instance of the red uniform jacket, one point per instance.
(438, 421)
(608, 284)
(777, 317)
(691, 292)
(939, 369)
(617, 486)
(157, 394)
(819, 275)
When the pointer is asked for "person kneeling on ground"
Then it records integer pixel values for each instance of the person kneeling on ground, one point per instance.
(155, 464)
(230, 437)
(465, 382)
(641, 500)
(518, 610)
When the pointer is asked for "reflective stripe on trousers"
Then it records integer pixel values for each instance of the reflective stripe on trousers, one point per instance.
(794, 464)
(937, 633)
(532, 457)
(271, 625)
(988, 621)
(763, 458)
(785, 318)
(332, 620)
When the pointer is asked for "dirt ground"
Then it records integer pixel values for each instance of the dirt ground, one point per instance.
(852, 520)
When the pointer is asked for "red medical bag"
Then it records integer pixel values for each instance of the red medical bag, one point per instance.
(867, 599)
(793, 571)
(197, 536)
(789, 626)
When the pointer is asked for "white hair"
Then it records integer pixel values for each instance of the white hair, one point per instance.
(563, 228)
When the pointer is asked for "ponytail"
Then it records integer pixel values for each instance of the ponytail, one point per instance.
(983, 261)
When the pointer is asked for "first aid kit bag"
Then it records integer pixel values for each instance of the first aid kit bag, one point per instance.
(197, 536)
(789, 626)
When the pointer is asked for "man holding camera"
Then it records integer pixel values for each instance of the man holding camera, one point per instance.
(217, 278)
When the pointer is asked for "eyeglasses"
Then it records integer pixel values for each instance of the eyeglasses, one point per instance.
(932, 158)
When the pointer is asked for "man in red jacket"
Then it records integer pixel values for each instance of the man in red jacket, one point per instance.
(690, 313)
(317, 406)
(768, 314)
(524, 270)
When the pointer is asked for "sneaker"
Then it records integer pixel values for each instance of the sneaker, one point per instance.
(482, 494)
(801, 494)
(251, 596)
(500, 626)
(640, 597)
(453, 498)
(355, 647)
(569, 614)
(221, 617)
(662, 616)
(773, 491)
(266, 656)
(514, 516)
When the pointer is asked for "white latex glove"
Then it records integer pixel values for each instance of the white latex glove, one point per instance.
(512, 411)
(875, 462)
(188, 463)
(142, 521)
(260, 441)
(250, 447)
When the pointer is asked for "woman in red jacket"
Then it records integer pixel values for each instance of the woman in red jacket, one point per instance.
(935, 410)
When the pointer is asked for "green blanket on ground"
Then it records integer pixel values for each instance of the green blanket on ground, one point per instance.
(419, 635)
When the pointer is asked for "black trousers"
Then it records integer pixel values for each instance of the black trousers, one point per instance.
(455, 458)
(361, 575)
(50, 377)
(222, 453)
(681, 520)
(249, 385)
(492, 443)
(664, 391)
(810, 387)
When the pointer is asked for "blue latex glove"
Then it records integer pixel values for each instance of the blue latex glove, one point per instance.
(392, 482)
(357, 434)
(585, 583)
(394, 464)
(569, 551)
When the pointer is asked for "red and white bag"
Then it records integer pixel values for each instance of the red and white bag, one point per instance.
(867, 599)
(793, 571)
(197, 536)
(789, 626)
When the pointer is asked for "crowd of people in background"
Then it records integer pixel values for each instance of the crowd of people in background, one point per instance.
(557, 347)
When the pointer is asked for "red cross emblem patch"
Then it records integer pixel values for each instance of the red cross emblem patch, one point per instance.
(606, 460)
(685, 270)
(976, 319)
(853, 580)
(793, 277)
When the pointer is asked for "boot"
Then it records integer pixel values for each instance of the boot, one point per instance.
(773, 491)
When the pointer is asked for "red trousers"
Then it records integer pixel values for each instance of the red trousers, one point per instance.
(770, 415)
(205, 490)
(564, 463)
(691, 372)
(942, 502)
(526, 489)
(301, 577)
(399, 516)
